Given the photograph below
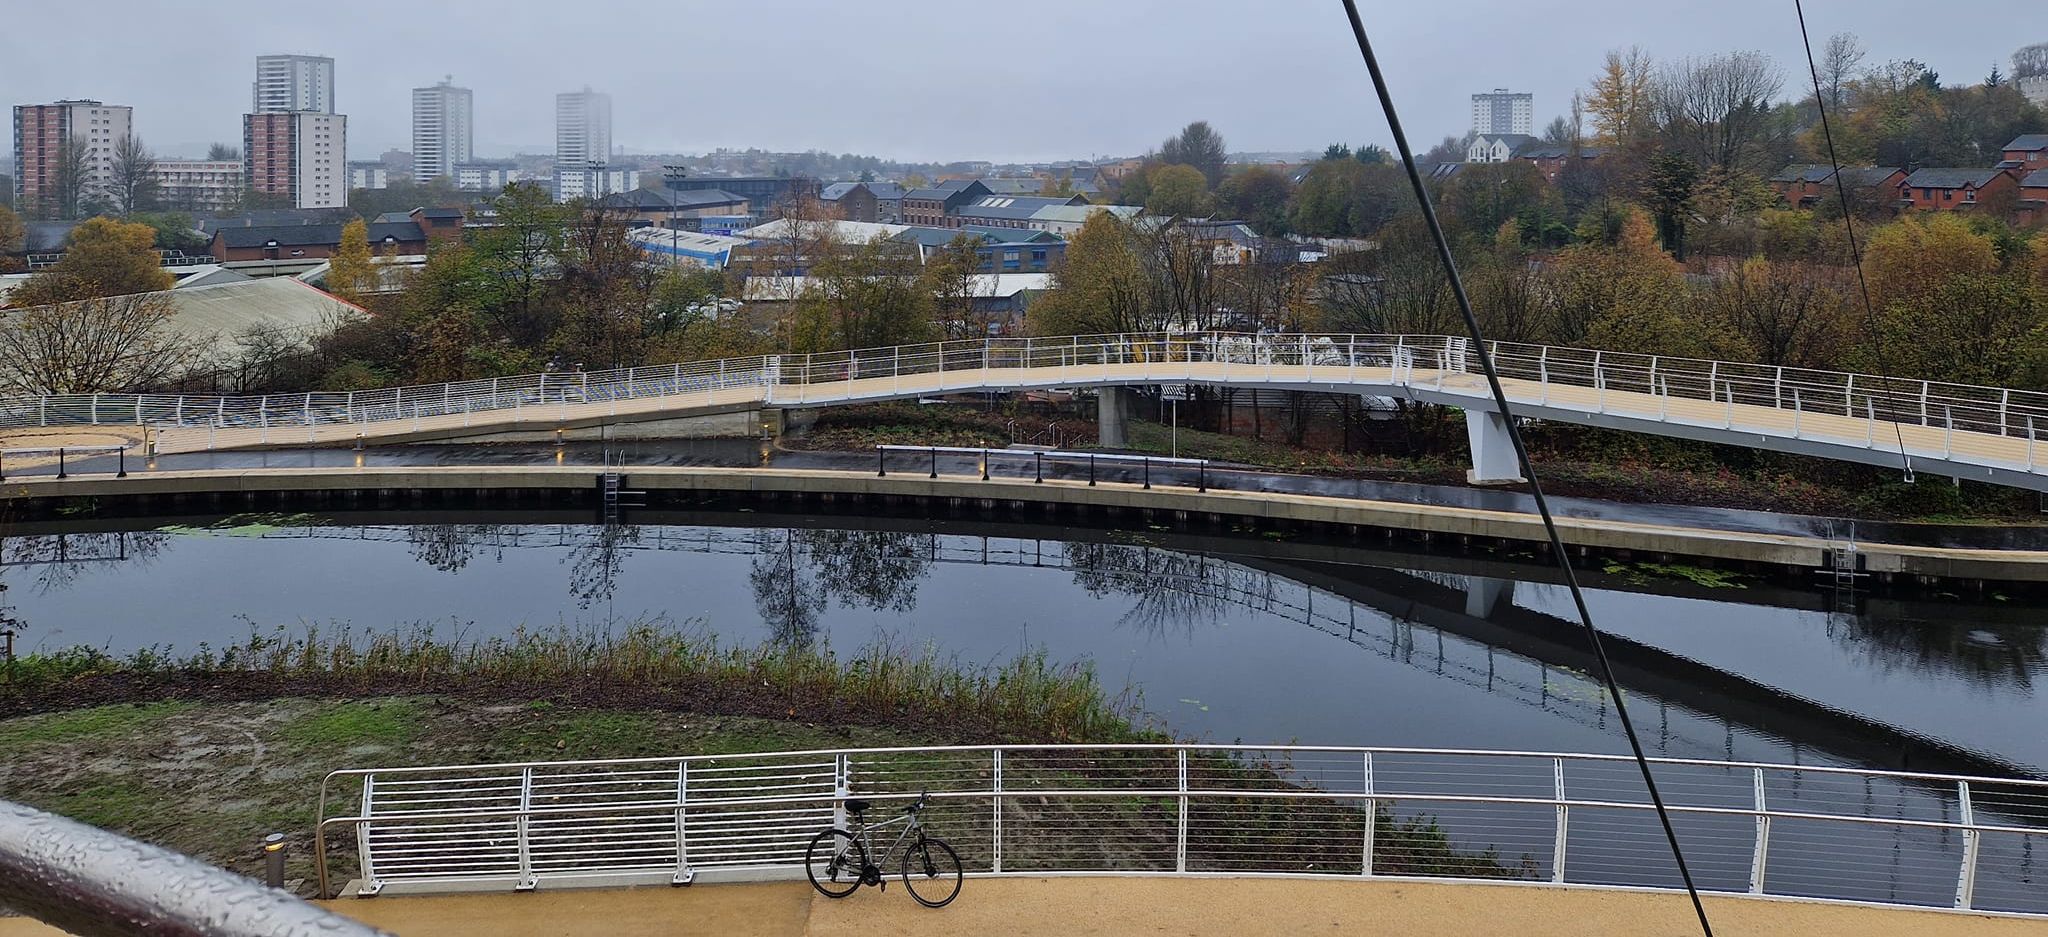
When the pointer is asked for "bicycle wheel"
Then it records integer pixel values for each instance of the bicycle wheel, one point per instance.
(834, 862)
(931, 871)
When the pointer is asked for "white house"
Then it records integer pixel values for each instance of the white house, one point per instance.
(1496, 147)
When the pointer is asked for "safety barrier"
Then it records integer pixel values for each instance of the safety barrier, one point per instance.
(1562, 819)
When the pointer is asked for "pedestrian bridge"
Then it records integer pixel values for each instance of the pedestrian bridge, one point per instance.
(1982, 433)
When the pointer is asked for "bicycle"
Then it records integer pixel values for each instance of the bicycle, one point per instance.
(838, 862)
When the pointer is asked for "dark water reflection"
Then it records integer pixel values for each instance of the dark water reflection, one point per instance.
(1228, 638)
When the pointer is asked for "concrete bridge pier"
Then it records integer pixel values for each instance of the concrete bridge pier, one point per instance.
(1112, 418)
(1493, 453)
(1483, 595)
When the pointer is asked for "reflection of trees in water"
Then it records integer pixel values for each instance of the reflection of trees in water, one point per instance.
(2005, 655)
(450, 547)
(1174, 591)
(594, 564)
(797, 573)
(57, 560)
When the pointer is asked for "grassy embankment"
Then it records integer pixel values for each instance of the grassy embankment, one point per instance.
(208, 752)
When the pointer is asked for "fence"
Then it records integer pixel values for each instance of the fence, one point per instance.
(1569, 819)
(1389, 360)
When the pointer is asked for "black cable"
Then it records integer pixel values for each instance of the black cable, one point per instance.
(1500, 399)
(1855, 252)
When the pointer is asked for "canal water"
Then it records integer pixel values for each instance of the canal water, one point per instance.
(1225, 638)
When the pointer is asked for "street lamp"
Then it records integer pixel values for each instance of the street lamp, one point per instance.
(674, 174)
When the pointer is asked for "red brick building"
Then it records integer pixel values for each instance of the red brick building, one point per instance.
(2033, 207)
(2028, 152)
(1804, 185)
(1956, 189)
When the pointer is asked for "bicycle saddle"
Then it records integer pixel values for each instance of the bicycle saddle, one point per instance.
(856, 807)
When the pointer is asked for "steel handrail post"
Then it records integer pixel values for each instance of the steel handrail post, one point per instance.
(996, 810)
(2030, 442)
(1761, 854)
(1923, 403)
(1778, 388)
(1795, 413)
(1557, 854)
(1966, 874)
(1849, 397)
(683, 873)
(935, 463)
(1372, 817)
(1948, 432)
(1180, 850)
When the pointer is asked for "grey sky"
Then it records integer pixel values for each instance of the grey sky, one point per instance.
(922, 79)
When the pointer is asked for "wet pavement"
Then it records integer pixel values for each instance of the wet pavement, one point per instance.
(1104, 468)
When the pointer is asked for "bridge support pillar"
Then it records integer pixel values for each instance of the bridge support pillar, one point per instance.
(1483, 595)
(1112, 418)
(1493, 454)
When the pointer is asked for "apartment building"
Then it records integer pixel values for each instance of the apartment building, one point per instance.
(298, 154)
(443, 130)
(41, 133)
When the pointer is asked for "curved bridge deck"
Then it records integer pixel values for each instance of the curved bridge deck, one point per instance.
(1982, 433)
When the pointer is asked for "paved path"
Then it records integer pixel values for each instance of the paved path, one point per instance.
(1073, 907)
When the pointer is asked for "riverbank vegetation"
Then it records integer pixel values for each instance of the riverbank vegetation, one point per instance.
(208, 752)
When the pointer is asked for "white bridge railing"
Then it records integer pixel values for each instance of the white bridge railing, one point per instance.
(1570, 819)
(1963, 407)
(1983, 426)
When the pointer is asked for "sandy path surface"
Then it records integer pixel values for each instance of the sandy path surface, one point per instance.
(1060, 907)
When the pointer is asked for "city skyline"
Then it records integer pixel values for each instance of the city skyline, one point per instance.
(813, 93)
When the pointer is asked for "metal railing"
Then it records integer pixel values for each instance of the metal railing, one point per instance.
(1768, 400)
(64, 453)
(985, 461)
(88, 881)
(1563, 819)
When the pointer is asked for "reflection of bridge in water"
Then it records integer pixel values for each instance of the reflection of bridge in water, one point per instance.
(1455, 626)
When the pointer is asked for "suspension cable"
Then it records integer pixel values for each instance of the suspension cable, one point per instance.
(1870, 326)
(1500, 400)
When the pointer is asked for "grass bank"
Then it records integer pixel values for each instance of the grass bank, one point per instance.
(645, 666)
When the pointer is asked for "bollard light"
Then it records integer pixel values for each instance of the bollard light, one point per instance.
(273, 860)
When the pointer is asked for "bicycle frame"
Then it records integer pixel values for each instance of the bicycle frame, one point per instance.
(913, 823)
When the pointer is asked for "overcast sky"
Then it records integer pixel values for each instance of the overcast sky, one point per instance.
(924, 79)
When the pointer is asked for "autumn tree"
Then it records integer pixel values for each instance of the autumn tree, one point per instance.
(1784, 312)
(1100, 286)
(105, 257)
(1258, 196)
(1197, 145)
(1178, 191)
(866, 296)
(1912, 256)
(13, 240)
(1622, 97)
(132, 177)
(102, 344)
(1346, 198)
(951, 276)
(349, 272)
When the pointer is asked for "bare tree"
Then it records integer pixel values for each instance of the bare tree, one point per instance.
(66, 181)
(133, 175)
(1839, 62)
(108, 344)
(222, 152)
(1717, 110)
(2030, 61)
